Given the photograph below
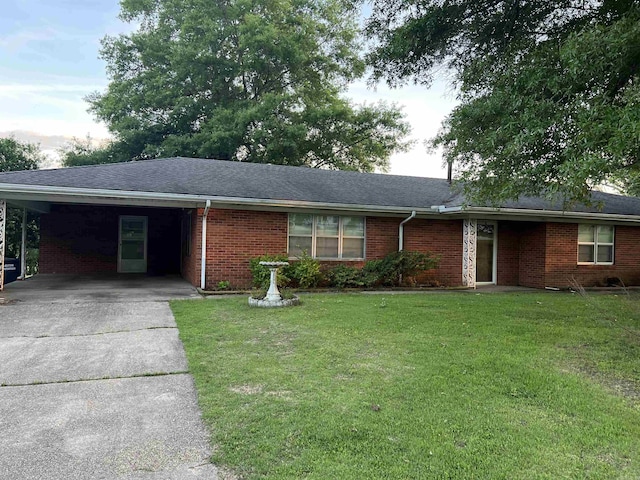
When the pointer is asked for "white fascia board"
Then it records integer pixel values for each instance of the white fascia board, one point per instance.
(545, 215)
(124, 197)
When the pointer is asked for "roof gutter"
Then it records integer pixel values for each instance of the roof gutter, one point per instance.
(527, 212)
(89, 195)
(203, 252)
(401, 230)
(12, 191)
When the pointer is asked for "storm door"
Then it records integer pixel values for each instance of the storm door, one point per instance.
(486, 253)
(132, 244)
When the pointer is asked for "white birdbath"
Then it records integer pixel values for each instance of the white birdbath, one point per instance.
(273, 297)
(273, 294)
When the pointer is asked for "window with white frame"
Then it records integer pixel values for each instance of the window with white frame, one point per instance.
(328, 237)
(595, 244)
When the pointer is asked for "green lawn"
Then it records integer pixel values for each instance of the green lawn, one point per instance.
(532, 385)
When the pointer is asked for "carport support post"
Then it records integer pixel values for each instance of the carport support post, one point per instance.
(3, 223)
(23, 247)
(203, 252)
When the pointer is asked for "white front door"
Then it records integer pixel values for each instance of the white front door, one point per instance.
(132, 244)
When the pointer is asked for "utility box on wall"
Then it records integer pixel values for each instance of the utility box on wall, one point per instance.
(11, 270)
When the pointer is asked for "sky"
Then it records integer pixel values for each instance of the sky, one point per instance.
(49, 63)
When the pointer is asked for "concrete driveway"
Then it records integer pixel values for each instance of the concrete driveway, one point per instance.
(97, 388)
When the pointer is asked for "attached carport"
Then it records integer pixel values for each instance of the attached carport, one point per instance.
(89, 231)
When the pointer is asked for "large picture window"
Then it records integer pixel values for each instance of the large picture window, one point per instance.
(595, 244)
(328, 237)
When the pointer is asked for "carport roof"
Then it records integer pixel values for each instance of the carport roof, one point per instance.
(238, 183)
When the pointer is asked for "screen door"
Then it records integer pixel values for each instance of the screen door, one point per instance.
(132, 248)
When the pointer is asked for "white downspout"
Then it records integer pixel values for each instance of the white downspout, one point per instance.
(401, 230)
(203, 254)
(23, 247)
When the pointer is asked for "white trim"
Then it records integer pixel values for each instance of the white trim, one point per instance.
(203, 251)
(340, 237)
(23, 247)
(494, 266)
(595, 245)
(469, 243)
(401, 230)
(12, 191)
(515, 213)
(3, 239)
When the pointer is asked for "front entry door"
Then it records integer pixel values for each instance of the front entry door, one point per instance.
(132, 247)
(485, 253)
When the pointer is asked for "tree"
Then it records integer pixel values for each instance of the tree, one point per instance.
(549, 90)
(15, 155)
(249, 80)
(85, 151)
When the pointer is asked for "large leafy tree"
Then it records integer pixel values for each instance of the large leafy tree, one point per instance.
(249, 80)
(549, 90)
(16, 155)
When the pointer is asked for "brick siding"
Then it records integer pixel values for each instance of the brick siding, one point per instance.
(82, 239)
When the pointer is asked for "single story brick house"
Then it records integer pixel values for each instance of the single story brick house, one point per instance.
(205, 219)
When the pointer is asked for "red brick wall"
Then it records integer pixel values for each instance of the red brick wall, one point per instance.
(531, 272)
(83, 239)
(234, 237)
(78, 240)
(508, 253)
(546, 256)
(191, 261)
(562, 269)
(381, 236)
(443, 238)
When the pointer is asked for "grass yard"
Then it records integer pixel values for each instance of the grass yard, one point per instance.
(451, 385)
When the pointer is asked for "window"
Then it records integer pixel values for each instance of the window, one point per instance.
(595, 244)
(326, 236)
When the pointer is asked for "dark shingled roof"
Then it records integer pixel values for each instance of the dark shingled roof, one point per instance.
(216, 178)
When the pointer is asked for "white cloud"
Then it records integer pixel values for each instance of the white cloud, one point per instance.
(425, 109)
(16, 88)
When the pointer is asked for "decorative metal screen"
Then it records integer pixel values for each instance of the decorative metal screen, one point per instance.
(3, 223)
(469, 242)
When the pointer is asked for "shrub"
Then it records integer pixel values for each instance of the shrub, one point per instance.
(395, 266)
(306, 271)
(261, 275)
(387, 271)
(344, 276)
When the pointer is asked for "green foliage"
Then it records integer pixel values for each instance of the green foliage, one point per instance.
(15, 155)
(346, 276)
(223, 285)
(388, 271)
(305, 271)
(261, 274)
(80, 152)
(548, 90)
(391, 269)
(257, 81)
(437, 386)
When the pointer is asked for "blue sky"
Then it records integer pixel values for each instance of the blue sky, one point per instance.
(49, 63)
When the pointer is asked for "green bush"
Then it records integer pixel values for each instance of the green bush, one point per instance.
(388, 271)
(397, 265)
(344, 276)
(305, 271)
(261, 275)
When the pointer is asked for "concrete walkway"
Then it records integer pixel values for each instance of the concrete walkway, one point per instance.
(97, 389)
